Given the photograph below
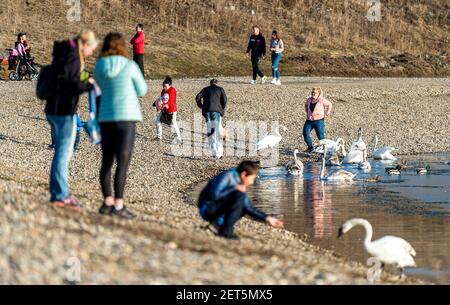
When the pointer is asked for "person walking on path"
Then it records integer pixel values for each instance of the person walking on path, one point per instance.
(317, 109)
(168, 114)
(213, 101)
(224, 200)
(68, 62)
(119, 111)
(256, 49)
(138, 43)
(277, 48)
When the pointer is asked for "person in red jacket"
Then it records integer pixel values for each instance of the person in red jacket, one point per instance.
(138, 46)
(168, 114)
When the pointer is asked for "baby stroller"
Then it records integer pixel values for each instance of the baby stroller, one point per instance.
(21, 66)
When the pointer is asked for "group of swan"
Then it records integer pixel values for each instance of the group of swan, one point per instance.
(389, 250)
(357, 154)
(340, 175)
(295, 167)
(330, 149)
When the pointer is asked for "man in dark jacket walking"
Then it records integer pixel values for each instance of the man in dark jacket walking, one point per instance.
(256, 49)
(138, 42)
(213, 101)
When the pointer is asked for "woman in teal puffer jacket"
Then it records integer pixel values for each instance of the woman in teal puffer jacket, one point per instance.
(121, 83)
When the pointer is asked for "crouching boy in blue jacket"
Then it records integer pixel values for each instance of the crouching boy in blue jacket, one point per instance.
(224, 200)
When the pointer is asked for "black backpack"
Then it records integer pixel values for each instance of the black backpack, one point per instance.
(46, 83)
(50, 76)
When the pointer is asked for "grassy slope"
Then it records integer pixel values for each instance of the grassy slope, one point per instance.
(197, 38)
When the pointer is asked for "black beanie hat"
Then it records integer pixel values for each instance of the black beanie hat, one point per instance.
(168, 81)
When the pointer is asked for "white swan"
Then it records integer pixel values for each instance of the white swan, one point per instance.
(359, 144)
(295, 167)
(332, 146)
(383, 153)
(354, 156)
(356, 153)
(388, 250)
(365, 165)
(340, 175)
(270, 141)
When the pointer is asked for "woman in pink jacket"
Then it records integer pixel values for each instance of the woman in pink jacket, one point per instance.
(317, 110)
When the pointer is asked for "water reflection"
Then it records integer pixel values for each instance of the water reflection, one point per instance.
(414, 207)
(318, 207)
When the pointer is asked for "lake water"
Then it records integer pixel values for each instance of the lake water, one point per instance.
(414, 207)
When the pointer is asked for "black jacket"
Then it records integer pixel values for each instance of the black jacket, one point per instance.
(212, 99)
(68, 86)
(257, 45)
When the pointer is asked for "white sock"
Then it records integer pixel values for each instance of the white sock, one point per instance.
(118, 206)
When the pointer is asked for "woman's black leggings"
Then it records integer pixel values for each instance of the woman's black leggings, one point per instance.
(117, 143)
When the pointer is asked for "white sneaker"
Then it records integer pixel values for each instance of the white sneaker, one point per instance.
(274, 81)
(263, 79)
(278, 82)
(253, 82)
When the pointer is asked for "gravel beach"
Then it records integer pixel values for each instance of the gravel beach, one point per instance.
(167, 243)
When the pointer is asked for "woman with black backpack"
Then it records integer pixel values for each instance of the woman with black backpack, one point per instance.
(61, 108)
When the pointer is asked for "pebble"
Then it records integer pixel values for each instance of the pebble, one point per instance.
(164, 245)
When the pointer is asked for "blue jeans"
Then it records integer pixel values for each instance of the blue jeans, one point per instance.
(212, 116)
(226, 212)
(213, 122)
(80, 125)
(276, 58)
(63, 133)
(318, 126)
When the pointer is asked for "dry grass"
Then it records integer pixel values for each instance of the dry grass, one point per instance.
(193, 37)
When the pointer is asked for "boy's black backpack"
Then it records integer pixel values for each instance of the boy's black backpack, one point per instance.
(46, 83)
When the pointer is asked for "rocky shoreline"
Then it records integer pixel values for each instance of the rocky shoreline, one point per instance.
(167, 243)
